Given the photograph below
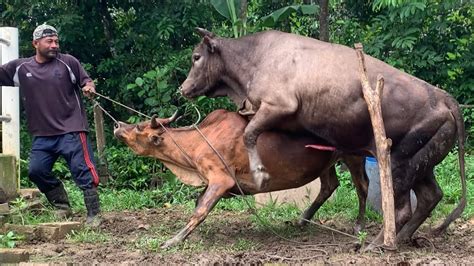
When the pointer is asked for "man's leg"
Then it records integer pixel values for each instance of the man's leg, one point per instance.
(78, 154)
(42, 159)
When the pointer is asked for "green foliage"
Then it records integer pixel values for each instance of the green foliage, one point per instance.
(362, 236)
(136, 173)
(285, 12)
(9, 239)
(230, 9)
(448, 177)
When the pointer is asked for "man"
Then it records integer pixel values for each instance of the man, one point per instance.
(49, 85)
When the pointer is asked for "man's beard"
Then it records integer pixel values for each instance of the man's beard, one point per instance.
(49, 54)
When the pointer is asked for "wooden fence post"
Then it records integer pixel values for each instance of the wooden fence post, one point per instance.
(374, 99)
(100, 139)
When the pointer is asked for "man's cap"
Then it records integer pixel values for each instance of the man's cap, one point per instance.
(44, 31)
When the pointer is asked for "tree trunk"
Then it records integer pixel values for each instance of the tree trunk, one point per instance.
(107, 24)
(383, 144)
(323, 20)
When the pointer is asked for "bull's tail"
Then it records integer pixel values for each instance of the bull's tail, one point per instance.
(456, 213)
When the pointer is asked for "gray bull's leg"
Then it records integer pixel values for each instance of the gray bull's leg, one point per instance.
(428, 194)
(206, 202)
(329, 183)
(267, 117)
(426, 188)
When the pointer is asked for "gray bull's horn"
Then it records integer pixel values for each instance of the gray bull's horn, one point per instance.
(203, 32)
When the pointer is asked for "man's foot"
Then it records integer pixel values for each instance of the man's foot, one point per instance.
(62, 214)
(93, 221)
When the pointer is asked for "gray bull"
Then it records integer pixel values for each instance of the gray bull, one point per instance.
(302, 84)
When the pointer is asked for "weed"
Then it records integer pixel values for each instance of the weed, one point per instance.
(88, 235)
(18, 207)
(9, 239)
(362, 237)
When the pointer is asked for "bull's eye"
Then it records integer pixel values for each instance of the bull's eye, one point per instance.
(196, 57)
(138, 127)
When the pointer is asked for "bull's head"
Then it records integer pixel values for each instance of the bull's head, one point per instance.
(143, 138)
(207, 66)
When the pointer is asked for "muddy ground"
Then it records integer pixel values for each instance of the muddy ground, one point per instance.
(230, 237)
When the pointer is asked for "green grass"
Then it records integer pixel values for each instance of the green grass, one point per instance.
(87, 235)
(448, 177)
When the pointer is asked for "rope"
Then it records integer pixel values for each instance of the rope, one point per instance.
(103, 110)
(123, 105)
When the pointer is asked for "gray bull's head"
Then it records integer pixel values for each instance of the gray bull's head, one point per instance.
(207, 67)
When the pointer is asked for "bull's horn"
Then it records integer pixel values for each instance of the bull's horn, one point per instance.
(154, 123)
(203, 32)
(199, 116)
(172, 118)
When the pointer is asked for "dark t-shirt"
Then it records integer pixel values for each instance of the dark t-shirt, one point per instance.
(52, 101)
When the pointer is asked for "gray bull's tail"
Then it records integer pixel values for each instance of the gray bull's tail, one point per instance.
(454, 106)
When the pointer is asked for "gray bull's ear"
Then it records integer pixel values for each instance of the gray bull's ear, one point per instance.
(210, 43)
(203, 32)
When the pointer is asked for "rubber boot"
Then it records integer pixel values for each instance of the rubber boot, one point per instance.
(91, 200)
(60, 201)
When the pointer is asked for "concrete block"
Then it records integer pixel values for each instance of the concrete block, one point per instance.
(28, 231)
(48, 233)
(59, 230)
(13, 255)
(4, 208)
(302, 197)
(30, 193)
(8, 176)
(44, 231)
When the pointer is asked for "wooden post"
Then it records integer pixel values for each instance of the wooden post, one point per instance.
(100, 138)
(373, 99)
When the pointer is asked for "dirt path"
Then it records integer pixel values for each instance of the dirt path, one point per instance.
(229, 237)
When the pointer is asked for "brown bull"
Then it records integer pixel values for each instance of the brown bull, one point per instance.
(305, 85)
(285, 157)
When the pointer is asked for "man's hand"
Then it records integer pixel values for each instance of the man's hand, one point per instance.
(89, 91)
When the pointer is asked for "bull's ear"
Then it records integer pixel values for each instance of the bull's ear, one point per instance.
(203, 32)
(154, 123)
(210, 43)
(155, 139)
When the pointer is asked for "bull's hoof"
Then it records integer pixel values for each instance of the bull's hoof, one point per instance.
(260, 177)
(357, 228)
(302, 222)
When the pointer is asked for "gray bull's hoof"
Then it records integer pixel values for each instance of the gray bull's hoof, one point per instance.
(260, 177)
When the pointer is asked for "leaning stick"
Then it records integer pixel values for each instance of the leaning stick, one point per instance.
(373, 99)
